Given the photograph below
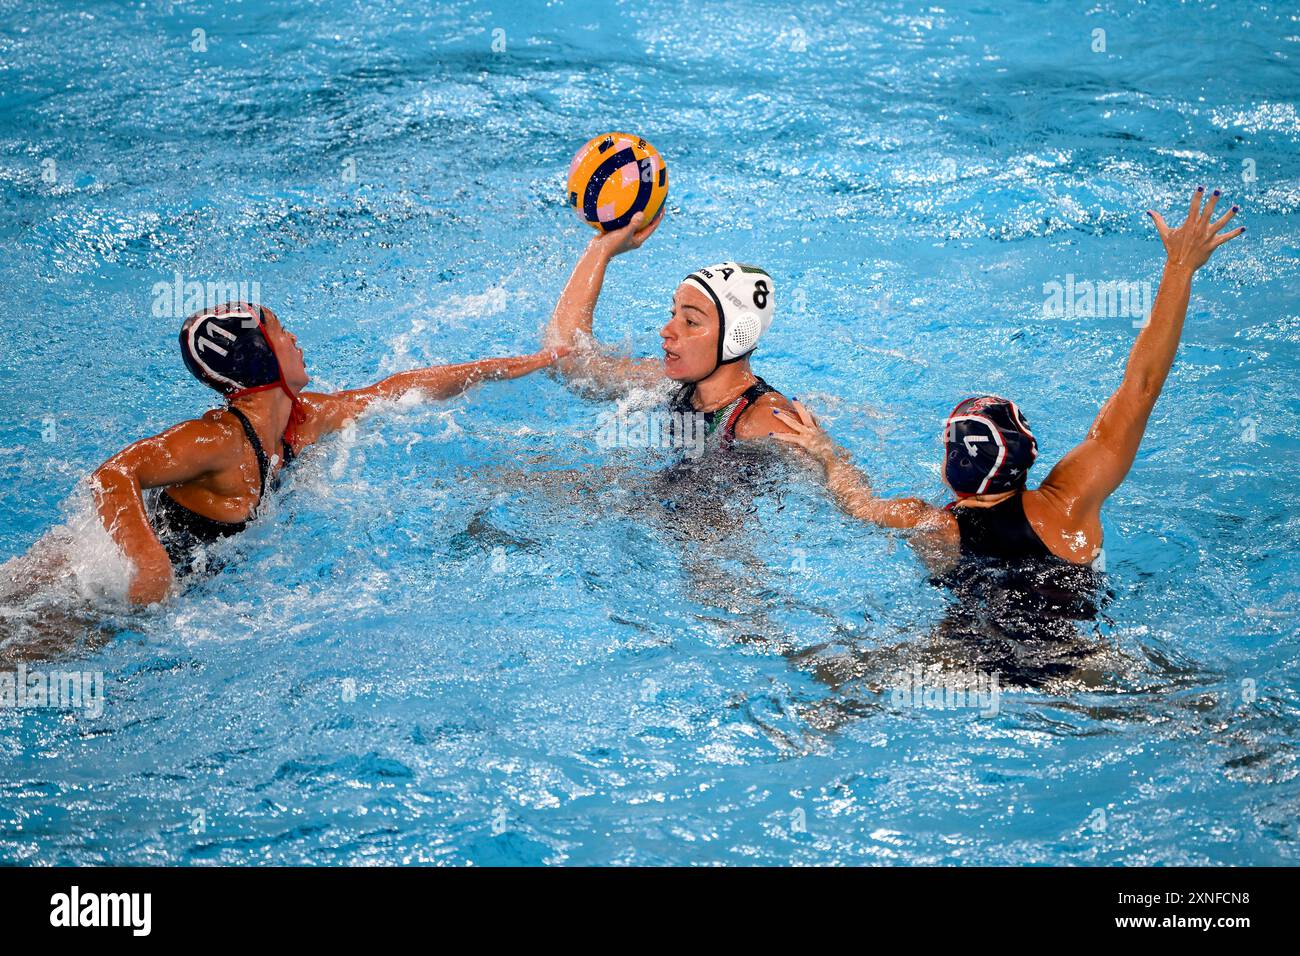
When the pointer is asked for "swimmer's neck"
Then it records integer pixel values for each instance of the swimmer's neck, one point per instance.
(723, 386)
(269, 413)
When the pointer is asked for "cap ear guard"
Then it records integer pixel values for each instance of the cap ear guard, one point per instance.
(742, 336)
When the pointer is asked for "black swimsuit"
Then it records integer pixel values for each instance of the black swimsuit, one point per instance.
(185, 534)
(1016, 606)
(999, 531)
(727, 416)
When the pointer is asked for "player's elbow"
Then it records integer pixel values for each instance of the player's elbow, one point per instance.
(1148, 389)
(557, 336)
(573, 365)
(910, 512)
(113, 475)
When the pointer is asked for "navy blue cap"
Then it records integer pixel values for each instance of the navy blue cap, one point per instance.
(988, 447)
(227, 349)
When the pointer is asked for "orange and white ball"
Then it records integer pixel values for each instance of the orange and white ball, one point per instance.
(615, 176)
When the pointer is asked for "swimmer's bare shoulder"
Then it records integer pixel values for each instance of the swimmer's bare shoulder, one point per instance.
(185, 452)
(759, 420)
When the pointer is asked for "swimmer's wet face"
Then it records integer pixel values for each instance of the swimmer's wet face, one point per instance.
(287, 351)
(690, 339)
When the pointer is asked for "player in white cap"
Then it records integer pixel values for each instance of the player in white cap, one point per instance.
(719, 314)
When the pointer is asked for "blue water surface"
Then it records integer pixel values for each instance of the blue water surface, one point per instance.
(468, 635)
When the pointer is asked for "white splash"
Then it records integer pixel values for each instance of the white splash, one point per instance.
(73, 571)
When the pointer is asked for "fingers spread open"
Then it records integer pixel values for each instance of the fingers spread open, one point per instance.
(1195, 209)
(1223, 220)
(1227, 236)
(1209, 206)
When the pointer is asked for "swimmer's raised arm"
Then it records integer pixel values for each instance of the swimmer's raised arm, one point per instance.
(936, 529)
(329, 412)
(1090, 472)
(571, 322)
(183, 453)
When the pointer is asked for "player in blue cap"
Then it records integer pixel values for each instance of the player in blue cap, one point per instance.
(989, 448)
(214, 471)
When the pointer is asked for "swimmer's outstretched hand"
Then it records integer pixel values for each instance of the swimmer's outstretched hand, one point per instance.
(630, 236)
(806, 433)
(1190, 245)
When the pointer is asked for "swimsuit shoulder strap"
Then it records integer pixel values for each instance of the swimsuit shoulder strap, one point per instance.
(263, 464)
(681, 399)
(750, 396)
(757, 390)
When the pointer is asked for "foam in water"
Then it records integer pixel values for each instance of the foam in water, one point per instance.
(73, 573)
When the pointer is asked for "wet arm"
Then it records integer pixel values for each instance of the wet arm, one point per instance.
(852, 492)
(1091, 471)
(587, 367)
(329, 412)
(180, 454)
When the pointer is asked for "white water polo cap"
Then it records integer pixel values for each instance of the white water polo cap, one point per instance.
(744, 299)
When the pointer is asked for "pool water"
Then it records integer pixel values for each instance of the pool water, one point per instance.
(466, 634)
